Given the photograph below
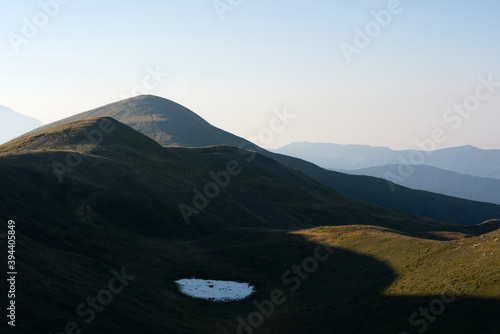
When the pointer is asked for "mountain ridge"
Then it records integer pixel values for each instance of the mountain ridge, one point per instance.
(154, 119)
(439, 181)
(468, 160)
(170, 173)
(367, 189)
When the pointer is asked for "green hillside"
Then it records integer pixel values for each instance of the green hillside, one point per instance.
(173, 125)
(117, 211)
(165, 121)
(126, 166)
(374, 280)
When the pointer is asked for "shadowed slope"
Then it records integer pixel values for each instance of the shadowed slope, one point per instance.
(118, 210)
(173, 125)
(122, 175)
(373, 281)
(439, 181)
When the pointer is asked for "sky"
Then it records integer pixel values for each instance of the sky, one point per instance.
(381, 73)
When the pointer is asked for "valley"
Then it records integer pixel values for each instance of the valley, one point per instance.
(107, 221)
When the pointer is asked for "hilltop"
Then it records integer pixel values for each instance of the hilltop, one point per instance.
(165, 121)
(170, 124)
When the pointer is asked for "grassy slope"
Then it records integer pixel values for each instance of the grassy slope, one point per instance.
(372, 283)
(160, 119)
(130, 168)
(119, 209)
(170, 124)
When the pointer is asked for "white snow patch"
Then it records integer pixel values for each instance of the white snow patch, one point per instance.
(213, 290)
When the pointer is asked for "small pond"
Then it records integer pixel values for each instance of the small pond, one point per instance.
(214, 290)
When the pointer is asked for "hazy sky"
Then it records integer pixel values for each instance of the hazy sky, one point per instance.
(236, 65)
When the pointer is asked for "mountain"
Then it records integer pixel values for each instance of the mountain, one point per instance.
(157, 115)
(468, 160)
(13, 124)
(112, 163)
(438, 181)
(100, 240)
(463, 160)
(165, 121)
(340, 157)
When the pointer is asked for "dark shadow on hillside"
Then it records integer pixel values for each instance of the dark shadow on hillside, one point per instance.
(117, 212)
(342, 295)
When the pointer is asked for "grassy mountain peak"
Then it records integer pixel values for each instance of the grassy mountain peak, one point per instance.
(89, 136)
(171, 124)
(165, 121)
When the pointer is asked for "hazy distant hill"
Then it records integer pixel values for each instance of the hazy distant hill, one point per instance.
(336, 156)
(464, 160)
(13, 124)
(439, 181)
(171, 124)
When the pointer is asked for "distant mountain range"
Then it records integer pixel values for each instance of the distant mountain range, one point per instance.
(464, 160)
(171, 124)
(13, 124)
(438, 181)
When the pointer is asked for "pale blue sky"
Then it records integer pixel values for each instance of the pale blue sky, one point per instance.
(265, 55)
